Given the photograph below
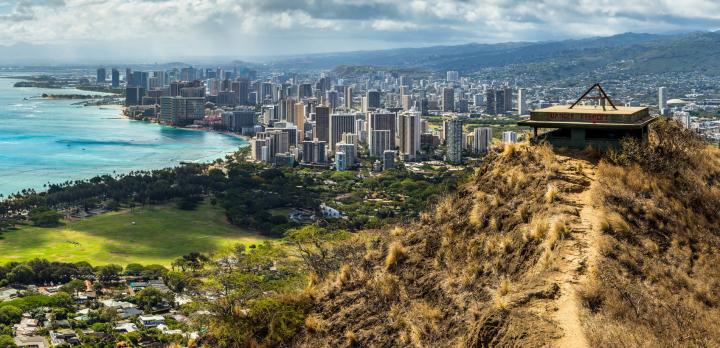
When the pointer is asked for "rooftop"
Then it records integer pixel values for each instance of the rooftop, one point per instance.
(591, 109)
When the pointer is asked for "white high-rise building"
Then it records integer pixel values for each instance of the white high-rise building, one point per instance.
(522, 102)
(453, 76)
(662, 98)
(379, 142)
(482, 140)
(509, 137)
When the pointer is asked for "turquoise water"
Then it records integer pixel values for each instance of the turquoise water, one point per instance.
(51, 141)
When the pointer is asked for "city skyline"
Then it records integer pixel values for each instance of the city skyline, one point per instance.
(72, 30)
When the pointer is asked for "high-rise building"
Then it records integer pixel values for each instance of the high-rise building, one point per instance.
(339, 124)
(322, 123)
(454, 129)
(341, 161)
(242, 88)
(349, 150)
(133, 95)
(349, 97)
(101, 75)
(509, 137)
(522, 102)
(373, 100)
(495, 103)
(379, 141)
(331, 99)
(448, 99)
(278, 141)
(181, 111)
(408, 130)
(314, 152)
(406, 102)
(238, 119)
(115, 78)
(300, 119)
(662, 98)
(129, 78)
(305, 91)
(482, 140)
(453, 76)
(388, 159)
(383, 121)
(507, 99)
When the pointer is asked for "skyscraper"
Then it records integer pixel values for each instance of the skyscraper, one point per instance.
(409, 134)
(453, 76)
(379, 142)
(242, 88)
(322, 123)
(101, 74)
(115, 78)
(454, 140)
(507, 99)
(482, 140)
(331, 99)
(348, 97)
(339, 124)
(662, 98)
(383, 121)
(373, 100)
(448, 99)
(522, 102)
(509, 137)
(300, 120)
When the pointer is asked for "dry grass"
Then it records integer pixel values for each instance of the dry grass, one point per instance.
(432, 284)
(315, 324)
(658, 261)
(396, 252)
(551, 193)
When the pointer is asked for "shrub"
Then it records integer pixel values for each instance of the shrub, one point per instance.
(396, 253)
(44, 217)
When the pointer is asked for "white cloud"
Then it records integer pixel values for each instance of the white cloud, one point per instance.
(298, 26)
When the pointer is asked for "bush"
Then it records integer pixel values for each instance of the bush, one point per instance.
(44, 217)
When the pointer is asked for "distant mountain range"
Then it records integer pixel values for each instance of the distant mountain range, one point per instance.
(640, 53)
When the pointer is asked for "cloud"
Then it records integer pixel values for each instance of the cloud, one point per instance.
(164, 28)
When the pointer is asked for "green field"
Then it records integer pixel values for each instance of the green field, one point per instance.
(160, 234)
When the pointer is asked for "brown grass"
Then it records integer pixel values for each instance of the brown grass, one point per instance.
(395, 254)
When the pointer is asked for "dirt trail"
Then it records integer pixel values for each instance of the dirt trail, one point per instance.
(577, 254)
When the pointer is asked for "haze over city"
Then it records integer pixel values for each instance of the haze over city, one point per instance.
(62, 31)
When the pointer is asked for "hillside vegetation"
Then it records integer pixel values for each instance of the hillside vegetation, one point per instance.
(657, 278)
(543, 248)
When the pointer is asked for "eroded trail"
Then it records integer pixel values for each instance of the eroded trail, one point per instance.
(577, 253)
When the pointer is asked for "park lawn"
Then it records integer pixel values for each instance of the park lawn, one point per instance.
(160, 235)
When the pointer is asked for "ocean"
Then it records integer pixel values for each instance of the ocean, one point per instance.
(52, 141)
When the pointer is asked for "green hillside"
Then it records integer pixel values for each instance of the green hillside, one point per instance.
(159, 235)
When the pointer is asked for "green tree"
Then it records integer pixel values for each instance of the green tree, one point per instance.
(44, 217)
(74, 287)
(7, 342)
(109, 272)
(134, 269)
(10, 315)
(151, 297)
(21, 274)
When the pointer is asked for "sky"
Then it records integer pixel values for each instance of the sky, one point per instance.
(167, 30)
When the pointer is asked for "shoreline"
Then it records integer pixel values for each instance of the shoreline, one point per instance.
(201, 129)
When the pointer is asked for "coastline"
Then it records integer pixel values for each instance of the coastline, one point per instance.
(201, 129)
(104, 148)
